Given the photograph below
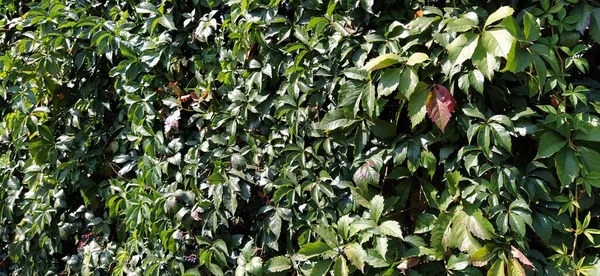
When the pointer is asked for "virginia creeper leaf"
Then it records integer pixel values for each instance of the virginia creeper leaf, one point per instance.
(383, 61)
(440, 105)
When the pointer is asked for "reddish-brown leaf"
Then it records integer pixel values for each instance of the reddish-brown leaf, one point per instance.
(408, 263)
(440, 105)
(517, 254)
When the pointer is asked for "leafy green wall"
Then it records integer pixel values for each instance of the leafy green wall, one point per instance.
(239, 137)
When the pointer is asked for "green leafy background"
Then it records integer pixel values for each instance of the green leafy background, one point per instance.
(213, 137)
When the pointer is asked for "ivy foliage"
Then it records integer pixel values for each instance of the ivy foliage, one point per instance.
(236, 137)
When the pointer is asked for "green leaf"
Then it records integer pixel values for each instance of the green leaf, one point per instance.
(390, 78)
(192, 272)
(254, 266)
(367, 174)
(441, 231)
(592, 134)
(216, 178)
(567, 166)
(461, 238)
(498, 42)
(501, 136)
(360, 225)
(458, 262)
(590, 159)
(417, 58)
(463, 83)
(278, 264)
(391, 228)
(367, 5)
(302, 35)
(356, 254)
(542, 226)
(382, 129)
(369, 100)
(356, 74)
(499, 14)
(351, 95)
(550, 143)
(146, 7)
(417, 104)
(408, 82)
(376, 207)
(275, 224)
(425, 223)
(167, 22)
(336, 119)
(477, 224)
(382, 61)
(542, 71)
(477, 80)
(582, 13)
(312, 249)
(531, 28)
(486, 62)
(320, 268)
(461, 25)
(595, 24)
(215, 269)
(517, 60)
(340, 268)
(462, 48)
(517, 224)
(127, 50)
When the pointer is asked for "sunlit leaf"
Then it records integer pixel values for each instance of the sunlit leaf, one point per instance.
(440, 105)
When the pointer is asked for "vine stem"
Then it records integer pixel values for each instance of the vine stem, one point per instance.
(576, 226)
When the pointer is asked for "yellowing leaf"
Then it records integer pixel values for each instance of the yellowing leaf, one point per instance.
(482, 256)
(356, 255)
(497, 268)
(417, 58)
(383, 61)
(499, 14)
(440, 105)
(514, 268)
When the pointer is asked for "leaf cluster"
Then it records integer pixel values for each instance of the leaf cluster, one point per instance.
(314, 137)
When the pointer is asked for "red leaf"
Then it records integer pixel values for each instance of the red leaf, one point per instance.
(440, 105)
(517, 254)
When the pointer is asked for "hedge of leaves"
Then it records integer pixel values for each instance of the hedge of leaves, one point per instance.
(238, 137)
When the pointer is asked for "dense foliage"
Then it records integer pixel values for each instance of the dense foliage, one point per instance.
(215, 137)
